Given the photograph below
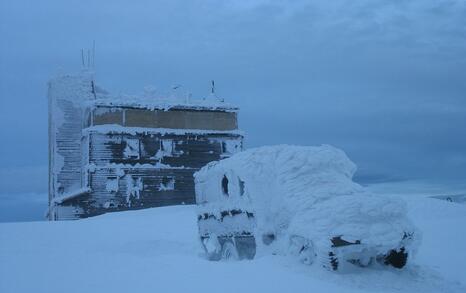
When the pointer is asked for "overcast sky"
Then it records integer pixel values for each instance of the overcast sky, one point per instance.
(383, 80)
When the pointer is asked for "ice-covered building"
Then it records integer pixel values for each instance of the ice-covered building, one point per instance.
(112, 153)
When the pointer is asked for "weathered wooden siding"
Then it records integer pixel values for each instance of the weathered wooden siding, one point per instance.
(172, 118)
(189, 150)
(157, 170)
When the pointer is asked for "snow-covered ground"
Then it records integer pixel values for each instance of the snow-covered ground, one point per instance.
(156, 250)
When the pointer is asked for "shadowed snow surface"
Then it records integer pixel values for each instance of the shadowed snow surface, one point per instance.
(157, 249)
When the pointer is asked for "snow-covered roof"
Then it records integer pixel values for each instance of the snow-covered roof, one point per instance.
(84, 86)
(152, 99)
(161, 103)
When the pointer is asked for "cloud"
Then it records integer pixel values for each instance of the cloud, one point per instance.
(382, 79)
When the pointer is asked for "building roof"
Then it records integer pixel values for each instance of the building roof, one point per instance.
(175, 99)
(163, 104)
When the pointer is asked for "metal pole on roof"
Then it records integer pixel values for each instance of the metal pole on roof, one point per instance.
(213, 87)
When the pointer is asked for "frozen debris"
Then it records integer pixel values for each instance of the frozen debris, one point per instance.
(303, 195)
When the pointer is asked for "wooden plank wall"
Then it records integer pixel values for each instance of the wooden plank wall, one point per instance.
(173, 118)
(161, 174)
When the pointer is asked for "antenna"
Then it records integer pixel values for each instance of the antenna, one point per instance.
(213, 87)
(82, 57)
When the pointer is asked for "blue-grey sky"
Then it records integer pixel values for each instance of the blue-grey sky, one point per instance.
(385, 80)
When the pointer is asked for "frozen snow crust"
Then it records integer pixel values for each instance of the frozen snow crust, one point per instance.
(305, 191)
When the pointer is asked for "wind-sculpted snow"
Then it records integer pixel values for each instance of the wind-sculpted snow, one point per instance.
(305, 191)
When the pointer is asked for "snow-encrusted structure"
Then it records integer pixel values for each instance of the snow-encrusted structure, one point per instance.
(112, 153)
(302, 201)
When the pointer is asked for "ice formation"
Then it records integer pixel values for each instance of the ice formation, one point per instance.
(299, 191)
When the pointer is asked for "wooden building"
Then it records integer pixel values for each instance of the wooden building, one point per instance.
(109, 153)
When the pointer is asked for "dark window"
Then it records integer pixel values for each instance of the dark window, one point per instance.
(225, 185)
(241, 186)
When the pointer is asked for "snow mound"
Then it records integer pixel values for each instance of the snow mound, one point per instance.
(301, 190)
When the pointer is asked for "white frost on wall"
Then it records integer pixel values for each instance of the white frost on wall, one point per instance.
(165, 150)
(67, 95)
(167, 145)
(133, 188)
(131, 150)
(168, 183)
(112, 184)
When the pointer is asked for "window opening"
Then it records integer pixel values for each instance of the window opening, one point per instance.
(241, 186)
(225, 185)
